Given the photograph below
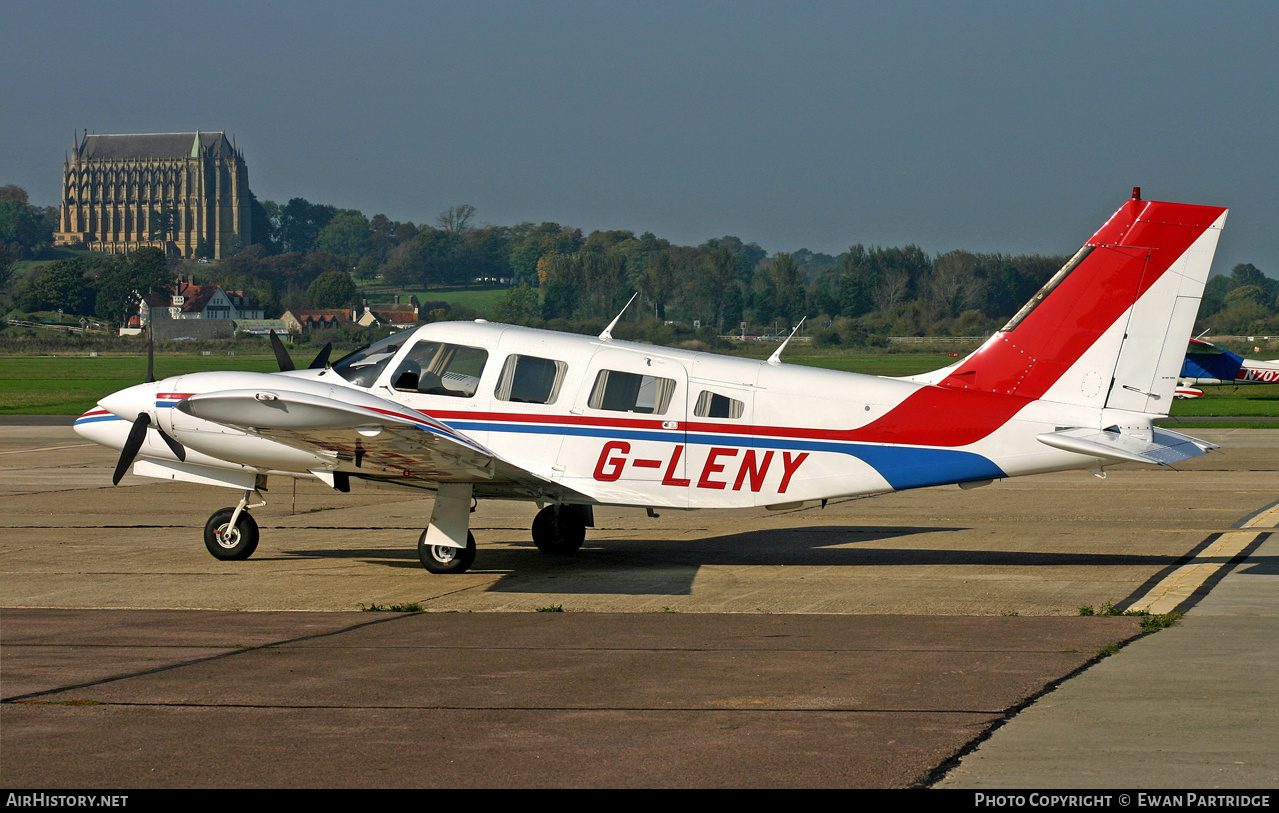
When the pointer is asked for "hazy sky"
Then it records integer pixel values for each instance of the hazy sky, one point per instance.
(988, 126)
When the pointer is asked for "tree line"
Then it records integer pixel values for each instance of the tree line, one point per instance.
(308, 255)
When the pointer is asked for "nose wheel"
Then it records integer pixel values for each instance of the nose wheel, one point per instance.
(227, 541)
(446, 558)
(232, 533)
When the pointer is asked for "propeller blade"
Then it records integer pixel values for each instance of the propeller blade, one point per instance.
(132, 444)
(282, 356)
(179, 451)
(322, 359)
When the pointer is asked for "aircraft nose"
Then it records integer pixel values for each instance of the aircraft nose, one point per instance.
(129, 402)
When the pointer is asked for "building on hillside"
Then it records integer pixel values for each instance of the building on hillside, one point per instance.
(186, 300)
(398, 316)
(186, 193)
(389, 313)
(301, 321)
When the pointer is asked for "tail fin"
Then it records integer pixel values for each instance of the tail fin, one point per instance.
(1110, 328)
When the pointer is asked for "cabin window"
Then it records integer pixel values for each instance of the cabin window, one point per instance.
(631, 392)
(713, 405)
(530, 380)
(436, 368)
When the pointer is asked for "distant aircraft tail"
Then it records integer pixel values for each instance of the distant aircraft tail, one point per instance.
(1209, 363)
(1110, 328)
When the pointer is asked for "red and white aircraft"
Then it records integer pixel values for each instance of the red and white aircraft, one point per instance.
(480, 410)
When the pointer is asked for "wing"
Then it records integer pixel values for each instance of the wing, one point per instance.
(372, 438)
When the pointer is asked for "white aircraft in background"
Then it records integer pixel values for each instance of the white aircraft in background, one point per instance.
(477, 410)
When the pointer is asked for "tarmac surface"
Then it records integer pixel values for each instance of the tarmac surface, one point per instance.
(924, 638)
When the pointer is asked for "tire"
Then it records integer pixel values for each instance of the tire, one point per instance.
(443, 559)
(559, 530)
(238, 543)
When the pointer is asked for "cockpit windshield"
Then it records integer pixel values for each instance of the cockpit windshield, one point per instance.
(363, 367)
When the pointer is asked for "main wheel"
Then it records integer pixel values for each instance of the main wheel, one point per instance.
(559, 529)
(444, 559)
(225, 542)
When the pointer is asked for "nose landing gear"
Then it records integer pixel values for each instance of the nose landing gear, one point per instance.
(446, 559)
(232, 533)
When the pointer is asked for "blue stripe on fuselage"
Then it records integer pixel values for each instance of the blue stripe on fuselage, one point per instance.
(902, 466)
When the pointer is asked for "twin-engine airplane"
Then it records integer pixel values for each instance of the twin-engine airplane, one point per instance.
(478, 410)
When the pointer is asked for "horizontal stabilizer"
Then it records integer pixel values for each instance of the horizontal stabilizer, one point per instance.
(1153, 445)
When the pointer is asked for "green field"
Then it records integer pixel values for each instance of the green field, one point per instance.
(69, 385)
(482, 300)
(1234, 400)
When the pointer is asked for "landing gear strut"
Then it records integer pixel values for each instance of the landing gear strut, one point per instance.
(232, 533)
(447, 546)
(561, 529)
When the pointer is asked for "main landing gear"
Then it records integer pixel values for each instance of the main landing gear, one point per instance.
(557, 530)
(232, 533)
(446, 546)
(560, 529)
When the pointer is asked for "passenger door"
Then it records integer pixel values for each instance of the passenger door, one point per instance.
(626, 433)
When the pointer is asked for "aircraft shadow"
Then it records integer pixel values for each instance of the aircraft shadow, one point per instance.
(668, 567)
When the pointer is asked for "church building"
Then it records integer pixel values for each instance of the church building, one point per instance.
(186, 193)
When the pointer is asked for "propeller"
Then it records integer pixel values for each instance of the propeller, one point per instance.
(285, 361)
(322, 358)
(133, 443)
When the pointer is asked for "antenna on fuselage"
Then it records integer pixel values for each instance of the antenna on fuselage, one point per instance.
(607, 335)
(776, 358)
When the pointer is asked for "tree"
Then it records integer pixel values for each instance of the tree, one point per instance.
(456, 219)
(657, 281)
(347, 235)
(955, 286)
(482, 253)
(427, 259)
(264, 223)
(519, 306)
(1248, 274)
(859, 278)
(123, 282)
(779, 290)
(332, 289)
(61, 285)
(8, 259)
(162, 225)
(718, 270)
(528, 244)
(301, 222)
(23, 226)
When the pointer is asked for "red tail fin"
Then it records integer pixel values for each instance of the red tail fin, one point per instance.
(1140, 245)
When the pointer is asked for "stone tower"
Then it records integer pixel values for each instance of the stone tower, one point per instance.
(182, 192)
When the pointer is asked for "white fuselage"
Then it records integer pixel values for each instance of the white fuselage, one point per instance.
(695, 430)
